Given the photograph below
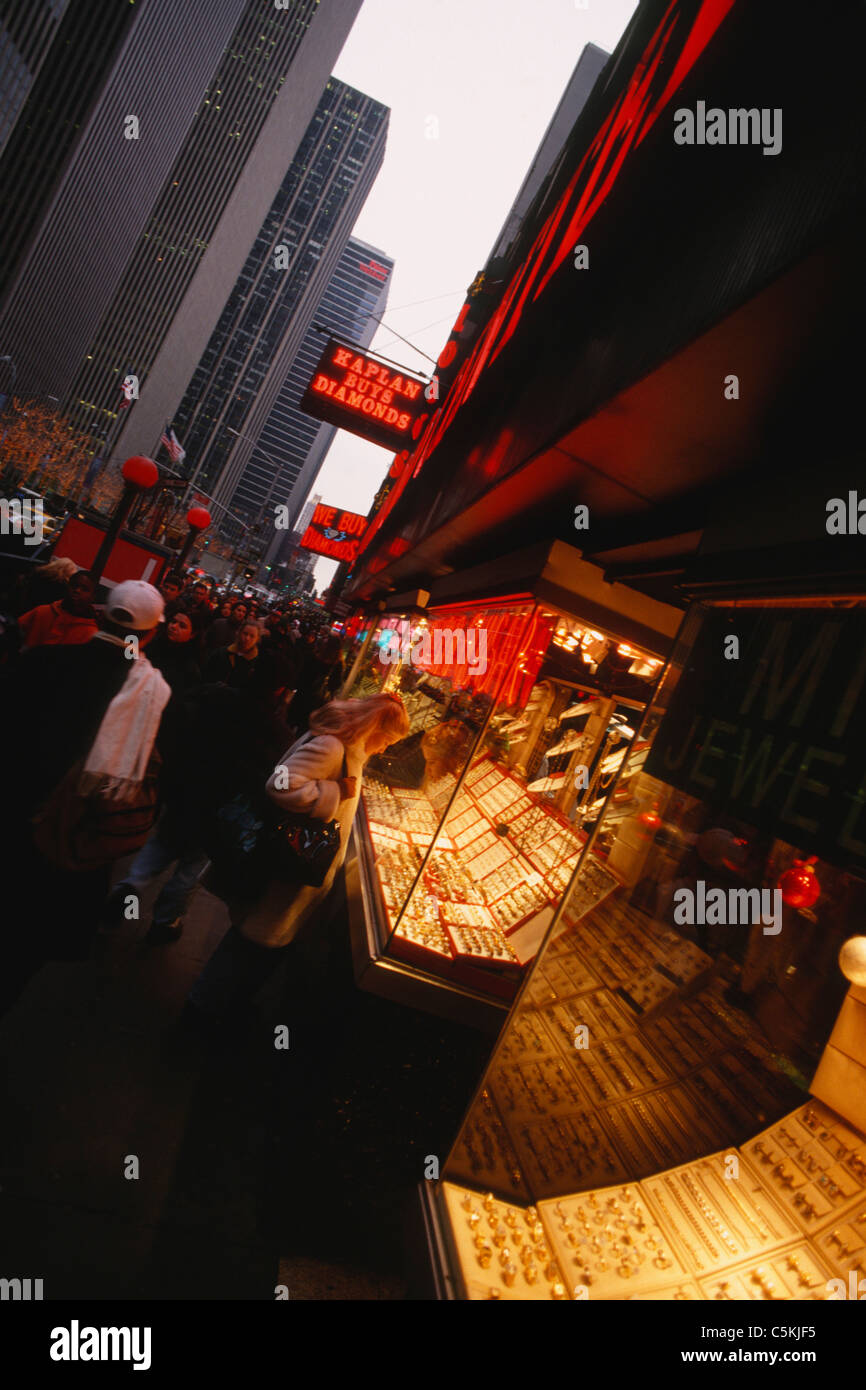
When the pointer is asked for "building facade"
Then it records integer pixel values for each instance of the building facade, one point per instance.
(292, 446)
(268, 313)
(98, 105)
(251, 107)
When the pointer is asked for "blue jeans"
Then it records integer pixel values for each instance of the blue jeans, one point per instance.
(234, 975)
(156, 855)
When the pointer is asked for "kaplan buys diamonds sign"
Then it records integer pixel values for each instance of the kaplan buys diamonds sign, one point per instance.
(357, 392)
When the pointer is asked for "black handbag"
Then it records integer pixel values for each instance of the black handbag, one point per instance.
(254, 841)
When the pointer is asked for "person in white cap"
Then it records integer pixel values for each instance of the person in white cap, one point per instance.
(100, 703)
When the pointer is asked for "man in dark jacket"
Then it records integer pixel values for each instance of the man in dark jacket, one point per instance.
(53, 702)
(216, 742)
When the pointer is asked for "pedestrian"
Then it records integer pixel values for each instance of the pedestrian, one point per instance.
(198, 604)
(69, 620)
(223, 630)
(309, 779)
(106, 718)
(320, 678)
(47, 583)
(242, 733)
(173, 652)
(234, 664)
(171, 589)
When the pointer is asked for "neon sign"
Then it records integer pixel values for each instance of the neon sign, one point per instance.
(678, 40)
(334, 533)
(359, 393)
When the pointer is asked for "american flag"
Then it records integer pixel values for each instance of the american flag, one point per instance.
(176, 452)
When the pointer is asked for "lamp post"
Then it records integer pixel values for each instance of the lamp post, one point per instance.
(139, 474)
(198, 520)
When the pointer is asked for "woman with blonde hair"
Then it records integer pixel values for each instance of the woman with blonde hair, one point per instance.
(309, 779)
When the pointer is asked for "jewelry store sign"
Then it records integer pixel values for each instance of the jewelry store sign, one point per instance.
(333, 532)
(354, 390)
(775, 737)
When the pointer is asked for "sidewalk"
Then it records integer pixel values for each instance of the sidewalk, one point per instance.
(256, 1166)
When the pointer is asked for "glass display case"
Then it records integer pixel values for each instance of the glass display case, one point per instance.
(470, 828)
(644, 1127)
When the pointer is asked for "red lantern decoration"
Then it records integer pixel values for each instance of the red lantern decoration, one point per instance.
(198, 518)
(799, 885)
(649, 821)
(140, 471)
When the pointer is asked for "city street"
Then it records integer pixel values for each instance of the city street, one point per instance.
(257, 1167)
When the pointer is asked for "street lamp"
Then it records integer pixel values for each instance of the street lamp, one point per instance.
(139, 475)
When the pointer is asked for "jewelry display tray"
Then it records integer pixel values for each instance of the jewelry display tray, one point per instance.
(721, 1228)
(515, 878)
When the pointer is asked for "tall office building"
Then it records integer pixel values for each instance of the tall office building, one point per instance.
(292, 446)
(252, 111)
(100, 99)
(269, 311)
(546, 158)
(26, 34)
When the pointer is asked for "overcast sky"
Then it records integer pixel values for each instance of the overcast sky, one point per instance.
(488, 75)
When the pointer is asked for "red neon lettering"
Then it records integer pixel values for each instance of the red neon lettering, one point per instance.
(351, 379)
(447, 355)
(325, 515)
(379, 410)
(387, 397)
(368, 401)
(355, 399)
(358, 365)
(321, 383)
(403, 420)
(342, 358)
(392, 415)
(412, 389)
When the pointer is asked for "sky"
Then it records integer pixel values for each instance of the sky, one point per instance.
(472, 85)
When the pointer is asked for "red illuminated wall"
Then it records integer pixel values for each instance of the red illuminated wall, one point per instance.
(515, 646)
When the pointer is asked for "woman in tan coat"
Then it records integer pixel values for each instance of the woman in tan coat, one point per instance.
(307, 779)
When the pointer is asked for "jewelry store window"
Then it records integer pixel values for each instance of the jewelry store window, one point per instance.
(668, 1039)
(471, 827)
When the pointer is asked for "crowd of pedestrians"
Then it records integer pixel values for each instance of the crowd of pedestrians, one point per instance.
(130, 723)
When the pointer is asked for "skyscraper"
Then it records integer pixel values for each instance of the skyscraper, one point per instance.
(546, 158)
(268, 312)
(26, 35)
(252, 110)
(98, 105)
(292, 446)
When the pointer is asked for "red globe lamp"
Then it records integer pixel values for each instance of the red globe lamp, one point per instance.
(198, 520)
(140, 472)
(799, 885)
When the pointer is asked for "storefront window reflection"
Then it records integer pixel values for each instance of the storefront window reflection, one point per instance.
(690, 981)
(476, 820)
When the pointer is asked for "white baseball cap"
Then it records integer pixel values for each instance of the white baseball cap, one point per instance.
(135, 604)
